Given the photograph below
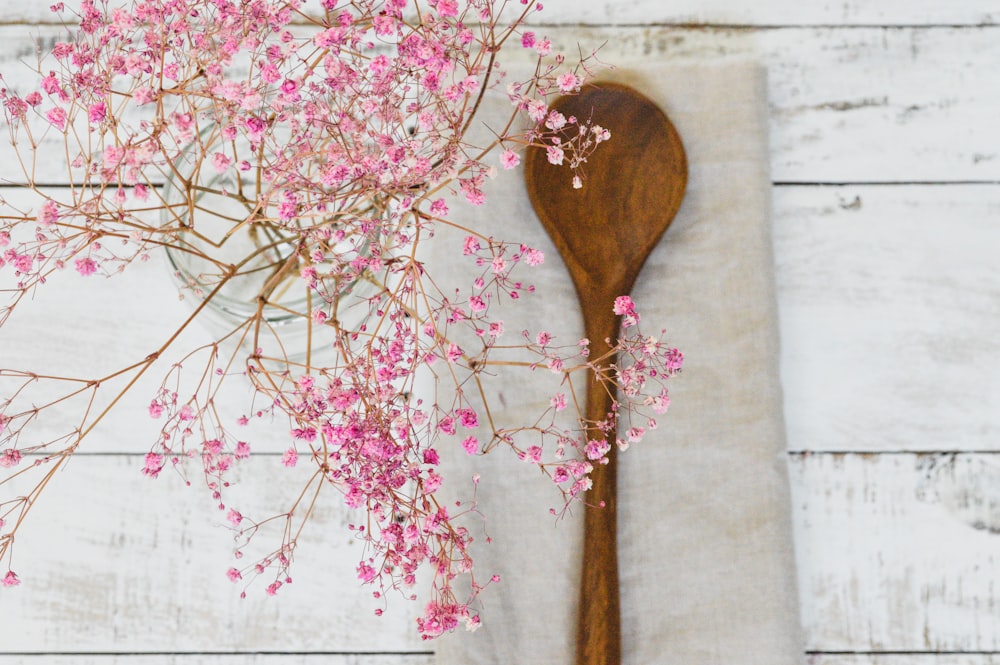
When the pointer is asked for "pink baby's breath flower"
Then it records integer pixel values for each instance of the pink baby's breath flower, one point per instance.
(10, 458)
(454, 352)
(290, 458)
(272, 588)
(470, 445)
(155, 409)
(528, 39)
(153, 465)
(366, 573)
(555, 155)
(623, 305)
(33, 99)
(48, 214)
(234, 575)
(143, 96)
(468, 418)
(447, 8)
(97, 112)
(471, 246)
(568, 82)
(234, 517)
(57, 116)
(533, 257)
(509, 159)
(242, 450)
(221, 161)
(86, 266)
(558, 401)
(10, 579)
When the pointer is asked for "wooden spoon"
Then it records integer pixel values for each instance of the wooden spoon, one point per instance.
(633, 187)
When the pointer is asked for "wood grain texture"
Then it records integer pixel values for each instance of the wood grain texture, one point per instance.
(876, 284)
(902, 659)
(847, 105)
(762, 12)
(142, 568)
(889, 304)
(898, 553)
(220, 659)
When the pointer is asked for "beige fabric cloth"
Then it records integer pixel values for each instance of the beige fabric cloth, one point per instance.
(705, 542)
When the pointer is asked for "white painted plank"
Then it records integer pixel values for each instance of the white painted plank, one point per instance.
(895, 553)
(762, 12)
(898, 553)
(847, 105)
(771, 12)
(902, 659)
(889, 303)
(142, 568)
(221, 659)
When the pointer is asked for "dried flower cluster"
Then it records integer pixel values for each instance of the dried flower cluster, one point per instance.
(291, 158)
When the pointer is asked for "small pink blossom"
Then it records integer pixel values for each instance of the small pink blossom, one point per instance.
(528, 39)
(48, 214)
(10, 458)
(143, 96)
(447, 8)
(221, 161)
(10, 579)
(153, 465)
(97, 112)
(290, 458)
(234, 575)
(555, 155)
(509, 159)
(568, 82)
(470, 445)
(57, 116)
(234, 517)
(558, 401)
(86, 266)
(623, 305)
(470, 246)
(468, 418)
(155, 409)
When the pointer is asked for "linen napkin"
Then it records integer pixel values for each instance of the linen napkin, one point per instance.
(706, 557)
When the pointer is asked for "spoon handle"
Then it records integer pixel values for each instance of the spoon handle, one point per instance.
(599, 618)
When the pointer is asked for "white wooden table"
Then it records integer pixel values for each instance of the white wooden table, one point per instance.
(886, 170)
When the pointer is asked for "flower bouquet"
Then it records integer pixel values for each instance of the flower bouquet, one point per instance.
(289, 161)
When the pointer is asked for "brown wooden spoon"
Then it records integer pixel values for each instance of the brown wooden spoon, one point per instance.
(633, 187)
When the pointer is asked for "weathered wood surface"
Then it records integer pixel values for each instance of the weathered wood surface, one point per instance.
(143, 569)
(762, 12)
(897, 553)
(889, 312)
(889, 305)
(887, 298)
(225, 659)
(848, 105)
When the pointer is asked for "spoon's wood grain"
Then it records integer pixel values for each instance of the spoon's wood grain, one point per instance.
(633, 188)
